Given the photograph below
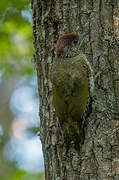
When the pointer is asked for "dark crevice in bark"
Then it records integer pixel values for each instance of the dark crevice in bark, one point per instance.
(100, 13)
(95, 160)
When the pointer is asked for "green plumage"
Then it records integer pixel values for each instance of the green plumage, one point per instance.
(69, 79)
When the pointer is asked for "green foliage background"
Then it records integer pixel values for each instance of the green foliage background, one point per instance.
(16, 40)
(16, 52)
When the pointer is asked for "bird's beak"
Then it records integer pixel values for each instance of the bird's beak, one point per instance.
(81, 37)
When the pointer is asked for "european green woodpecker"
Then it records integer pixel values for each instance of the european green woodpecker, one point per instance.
(69, 77)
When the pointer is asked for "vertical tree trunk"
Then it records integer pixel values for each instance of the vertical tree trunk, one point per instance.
(99, 155)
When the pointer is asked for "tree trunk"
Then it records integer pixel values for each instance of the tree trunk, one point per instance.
(99, 154)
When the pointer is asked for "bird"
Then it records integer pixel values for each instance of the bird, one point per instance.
(69, 75)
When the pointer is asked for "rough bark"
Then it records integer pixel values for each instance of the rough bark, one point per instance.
(99, 155)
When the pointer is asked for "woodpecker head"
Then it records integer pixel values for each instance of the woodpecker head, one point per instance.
(68, 44)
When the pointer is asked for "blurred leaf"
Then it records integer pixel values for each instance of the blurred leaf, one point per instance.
(16, 47)
(23, 175)
(34, 176)
(18, 175)
(33, 131)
